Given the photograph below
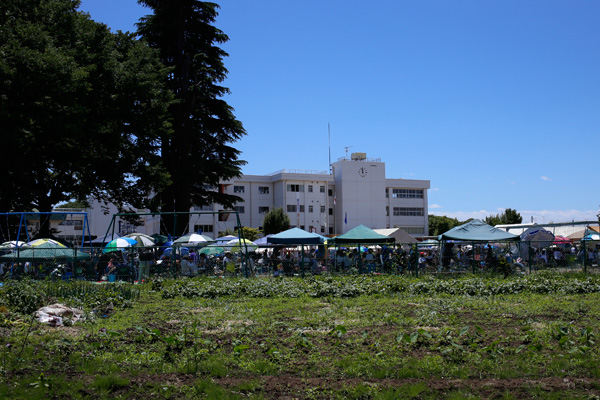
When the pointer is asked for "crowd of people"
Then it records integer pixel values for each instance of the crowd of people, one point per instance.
(139, 264)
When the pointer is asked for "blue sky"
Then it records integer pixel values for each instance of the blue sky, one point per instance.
(497, 103)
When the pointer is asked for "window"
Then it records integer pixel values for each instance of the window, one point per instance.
(387, 193)
(322, 229)
(295, 188)
(239, 209)
(408, 211)
(310, 209)
(407, 193)
(263, 210)
(291, 208)
(330, 192)
(331, 211)
(301, 207)
(203, 228)
(238, 189)
(302, 227)
(310, 187)
(387, 211)
(322, 209)
(321, 189)
(331, 230)
(263, 190)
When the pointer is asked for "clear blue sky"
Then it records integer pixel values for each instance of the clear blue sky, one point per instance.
(497, 103)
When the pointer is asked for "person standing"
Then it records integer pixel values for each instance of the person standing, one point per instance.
(146, 261)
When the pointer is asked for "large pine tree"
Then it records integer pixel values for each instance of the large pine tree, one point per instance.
(198, 152)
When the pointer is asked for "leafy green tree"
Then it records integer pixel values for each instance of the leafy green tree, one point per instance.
(440, 224)
(250, 233)
(508, 216)
(275, 221)
(81, 109)
(198, 153)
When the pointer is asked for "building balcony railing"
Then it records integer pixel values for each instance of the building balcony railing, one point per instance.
(298, 171)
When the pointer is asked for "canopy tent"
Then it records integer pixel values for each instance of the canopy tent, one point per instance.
(577, 235)
(399, 234)
(46, 252)
(296, 236)
(361, 234)
(477, 231)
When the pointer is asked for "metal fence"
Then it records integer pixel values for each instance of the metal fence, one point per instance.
(139, 264)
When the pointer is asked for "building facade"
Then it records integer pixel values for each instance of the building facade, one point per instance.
(355, 192)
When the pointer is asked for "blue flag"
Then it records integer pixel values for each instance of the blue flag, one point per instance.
(345, 217)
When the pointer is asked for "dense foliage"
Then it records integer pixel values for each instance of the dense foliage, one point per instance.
(275, 221)
(354, 286)
(508, 216)
(81, 109)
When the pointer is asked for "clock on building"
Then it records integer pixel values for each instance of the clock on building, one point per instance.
(362, 172)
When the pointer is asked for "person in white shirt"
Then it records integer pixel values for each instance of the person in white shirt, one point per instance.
(188, 268)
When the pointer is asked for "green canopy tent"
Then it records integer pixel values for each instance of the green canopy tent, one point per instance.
(361, 235)
(477, 231)
(473, 231)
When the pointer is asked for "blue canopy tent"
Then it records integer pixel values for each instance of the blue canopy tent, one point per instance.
(296, 236)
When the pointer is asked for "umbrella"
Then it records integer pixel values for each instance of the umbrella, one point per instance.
(592, 236)
(237, 245)
(12, 244)
(39, 242)
(212, 250)
(159, 239)
(106, 238)
(142, 239)
(119, 244)
(558, 239)
(193, 240)
(183, 251)
(538, 237)
(224, 239)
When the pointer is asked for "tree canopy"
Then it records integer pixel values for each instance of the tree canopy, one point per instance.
(198, 153)
(275, 221)
(508, 216)
(440, 224)
(82, 109)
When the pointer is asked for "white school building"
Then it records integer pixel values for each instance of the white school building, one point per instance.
(356, 192)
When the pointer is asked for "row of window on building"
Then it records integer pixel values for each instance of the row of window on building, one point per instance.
(292, 208)
(396, 193)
